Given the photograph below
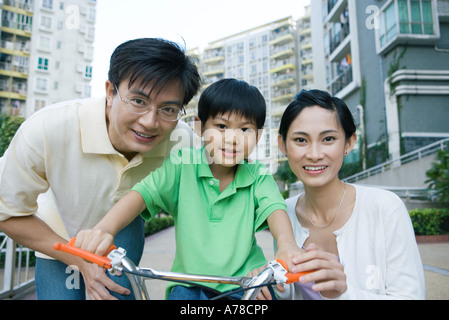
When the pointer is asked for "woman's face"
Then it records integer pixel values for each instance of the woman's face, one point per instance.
(315, 146)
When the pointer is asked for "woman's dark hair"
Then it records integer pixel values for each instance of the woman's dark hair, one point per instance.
(148, 59)
(233, 96)
(322, 99)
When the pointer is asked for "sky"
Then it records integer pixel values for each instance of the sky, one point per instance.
(193, 22)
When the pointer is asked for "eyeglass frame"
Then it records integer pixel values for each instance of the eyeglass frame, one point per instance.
(181, 112)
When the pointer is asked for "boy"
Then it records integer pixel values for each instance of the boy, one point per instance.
(218, 200)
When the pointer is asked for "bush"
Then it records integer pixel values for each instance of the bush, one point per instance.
(157, 224)
(438, 176)
(430, 221)
(8, 128)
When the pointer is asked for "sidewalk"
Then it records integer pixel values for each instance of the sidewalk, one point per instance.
(159, 253)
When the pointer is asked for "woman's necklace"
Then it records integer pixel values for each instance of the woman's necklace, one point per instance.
(336, 211)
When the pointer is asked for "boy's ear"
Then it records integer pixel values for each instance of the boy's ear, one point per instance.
(197, 127)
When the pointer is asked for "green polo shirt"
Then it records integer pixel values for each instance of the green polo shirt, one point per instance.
(215, 231)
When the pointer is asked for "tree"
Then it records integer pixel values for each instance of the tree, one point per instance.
(439, 175)
(285, 175)
(8, 128)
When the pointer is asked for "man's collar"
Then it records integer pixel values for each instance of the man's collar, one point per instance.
(94, 132)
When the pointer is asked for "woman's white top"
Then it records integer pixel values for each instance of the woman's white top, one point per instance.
(376, 246)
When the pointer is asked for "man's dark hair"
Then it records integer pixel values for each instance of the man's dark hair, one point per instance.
(232, 96)
(149, 60)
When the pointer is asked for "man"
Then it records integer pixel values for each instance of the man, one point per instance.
(69, 163)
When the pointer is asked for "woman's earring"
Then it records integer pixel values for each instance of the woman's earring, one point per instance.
(346, 153)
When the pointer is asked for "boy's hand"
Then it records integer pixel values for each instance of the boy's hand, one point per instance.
(95, 241)
(288, 252)
(265, 293)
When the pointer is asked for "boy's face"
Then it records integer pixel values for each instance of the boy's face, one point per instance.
(229, 138)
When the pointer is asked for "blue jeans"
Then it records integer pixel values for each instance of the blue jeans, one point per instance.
(193, 293)
(57, 281)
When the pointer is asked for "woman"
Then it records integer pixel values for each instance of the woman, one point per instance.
(359, 240)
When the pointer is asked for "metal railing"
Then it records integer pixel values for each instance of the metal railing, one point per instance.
(409, 157)
(16, 274)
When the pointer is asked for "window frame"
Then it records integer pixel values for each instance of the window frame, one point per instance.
(396, 34)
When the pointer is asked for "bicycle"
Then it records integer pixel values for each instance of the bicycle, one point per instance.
(116, 261)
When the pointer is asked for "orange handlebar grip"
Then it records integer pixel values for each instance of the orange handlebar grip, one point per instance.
(292, 277)
(70, 248)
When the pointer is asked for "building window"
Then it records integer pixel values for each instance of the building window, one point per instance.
(47, 4)
(88, 72)
(41, 84)
(44, 43)
(42, 64)
(46, 23)
(39, 104)
(406, 17)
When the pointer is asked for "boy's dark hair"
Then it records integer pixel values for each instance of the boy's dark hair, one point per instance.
(148, 59)
(232, 96)
(322, 99)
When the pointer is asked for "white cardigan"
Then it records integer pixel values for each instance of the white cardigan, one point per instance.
(377, 247)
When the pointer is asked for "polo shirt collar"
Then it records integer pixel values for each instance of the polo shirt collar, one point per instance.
(94, 133)
(244, 176)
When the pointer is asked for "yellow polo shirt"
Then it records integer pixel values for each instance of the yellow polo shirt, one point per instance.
(62, 166)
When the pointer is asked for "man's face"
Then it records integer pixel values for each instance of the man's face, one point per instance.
(132, 133)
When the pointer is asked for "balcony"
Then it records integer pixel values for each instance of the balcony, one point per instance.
(337, 35)
(400, 23)
(283, 81)
(23, 5)
(284, 95)
(21, 29)
(341, 81)
(17, 92)
(283, 66)
(214, 70)
(282, 52)
(15, 48)
(213, 59)
(9, 69)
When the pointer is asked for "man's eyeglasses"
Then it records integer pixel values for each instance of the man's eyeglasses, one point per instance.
(141, 106)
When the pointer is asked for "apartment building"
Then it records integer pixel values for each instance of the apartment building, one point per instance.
(389, 61)
(276, 58)
(46, 53)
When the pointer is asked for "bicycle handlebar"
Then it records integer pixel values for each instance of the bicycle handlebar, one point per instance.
(102, 261)
(106, 262)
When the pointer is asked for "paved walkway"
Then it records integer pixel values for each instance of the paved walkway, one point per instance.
(159, 253)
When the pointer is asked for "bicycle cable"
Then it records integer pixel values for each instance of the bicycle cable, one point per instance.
(241, 289)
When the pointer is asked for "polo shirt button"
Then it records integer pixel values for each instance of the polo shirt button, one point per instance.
(211, 182)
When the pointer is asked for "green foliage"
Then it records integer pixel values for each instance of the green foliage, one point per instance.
(438, 176)
(430, 221)
(157, 224)
(8, 128)
(349, 169)
(285, 175)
